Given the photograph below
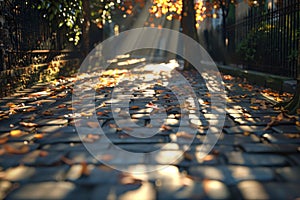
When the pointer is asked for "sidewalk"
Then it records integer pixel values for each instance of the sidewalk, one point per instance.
(42, 155)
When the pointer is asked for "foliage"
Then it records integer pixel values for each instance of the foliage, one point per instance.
(251, 48)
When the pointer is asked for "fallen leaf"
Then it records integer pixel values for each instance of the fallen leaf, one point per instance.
(84, 169)
(16, 133)
(166, 128)
(47, 113)
(62, 106)
(280, 117)
(28, 124)
(297, 123)
(11, 105)
(186, 135)
(13, 150)
(86, 114)
(43, 153)
(188, 156)
(38, 136)
(134, 107)
(254, 107)
(66, 160)
(206, 103)
(3, 140)
(126, 179)
(246, 133)
(208, 158)
(93, 124)
(90, 138)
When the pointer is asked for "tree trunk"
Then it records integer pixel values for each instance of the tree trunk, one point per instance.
(294, 104)
(188, 24)
(224, 29)
(85, 44)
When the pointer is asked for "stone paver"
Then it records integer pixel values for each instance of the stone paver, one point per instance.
(43, 156)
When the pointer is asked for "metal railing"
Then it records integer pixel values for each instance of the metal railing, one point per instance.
(267, 38)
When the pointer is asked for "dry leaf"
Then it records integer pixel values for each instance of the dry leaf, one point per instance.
(84, 169)
(86, 114)
(62, 106)
(280, 117)
(43, 153)
(38, 136)
(22, 150)
(47, 113)
(188, 156)
(246, 133)
(166, 128)
(206, 103)
(254, 107)
(208, 158)
(134, 107)
(93, 124)
(91, 138)
(66, 160)
(3, 140)
(126, 179)
(186, 135)
(16, 133)
(28, 124)
(297, 123)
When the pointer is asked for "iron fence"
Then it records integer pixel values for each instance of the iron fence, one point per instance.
(24, 29)
(267, 38)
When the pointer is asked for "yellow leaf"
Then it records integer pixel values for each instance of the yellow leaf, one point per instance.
(16, 133)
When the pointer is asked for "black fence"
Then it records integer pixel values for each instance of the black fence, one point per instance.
(25, 33)
(267, 38)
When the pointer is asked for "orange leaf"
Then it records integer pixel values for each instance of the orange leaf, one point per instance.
(206, 103)
(280, 117)
(38, 136)
(84, 169)
(22, 150)
(166, 128)
(3, 140)
(134, 107)
(297, 123)
(61, 106)
(47, 113)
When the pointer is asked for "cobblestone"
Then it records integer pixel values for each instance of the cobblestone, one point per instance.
(44, 140)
